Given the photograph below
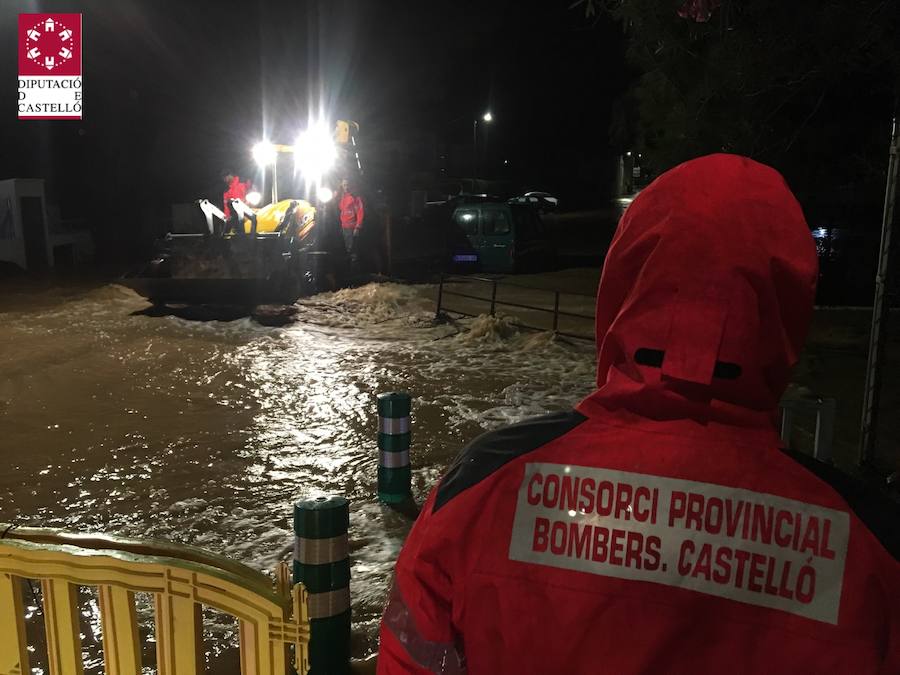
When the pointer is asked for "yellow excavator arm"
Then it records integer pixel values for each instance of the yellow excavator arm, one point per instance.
(269, 217)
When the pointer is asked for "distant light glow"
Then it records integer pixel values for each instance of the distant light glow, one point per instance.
(254, 198)
(264, 153)
(314, 152)
(628, 154)
(487, 117)
(324, 194)
(820, 232)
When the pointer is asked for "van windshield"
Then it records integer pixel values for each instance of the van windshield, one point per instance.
(495, 222)
(467, 219)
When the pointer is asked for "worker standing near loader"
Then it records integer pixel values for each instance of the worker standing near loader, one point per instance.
(352, 214)
(235, 189)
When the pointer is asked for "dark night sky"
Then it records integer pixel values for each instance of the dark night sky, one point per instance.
(177, 91)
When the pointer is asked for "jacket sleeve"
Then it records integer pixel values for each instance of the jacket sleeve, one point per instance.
(359, 212)
(417, 635)
(892, 593)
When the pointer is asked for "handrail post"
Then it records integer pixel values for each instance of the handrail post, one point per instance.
(824, 429)
(437, 312)
(14, 657)
(556, 312)
(493, 295)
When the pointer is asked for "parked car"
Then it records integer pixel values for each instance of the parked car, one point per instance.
(542, 200)
(498, 236)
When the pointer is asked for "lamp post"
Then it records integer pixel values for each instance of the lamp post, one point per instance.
(487, 117)
(275, 179)
(265, 153)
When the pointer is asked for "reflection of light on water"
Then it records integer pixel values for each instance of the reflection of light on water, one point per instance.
(625, 200)
(305, 386)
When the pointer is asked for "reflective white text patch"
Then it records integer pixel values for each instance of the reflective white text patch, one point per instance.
(746, 546)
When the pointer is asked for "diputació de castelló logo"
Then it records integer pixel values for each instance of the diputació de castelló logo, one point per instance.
(50, 84)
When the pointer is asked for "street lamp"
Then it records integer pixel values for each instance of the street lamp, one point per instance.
(487, 117)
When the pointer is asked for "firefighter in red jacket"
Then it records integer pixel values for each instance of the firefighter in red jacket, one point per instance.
(236, 189)
(352, 212)
(661, 527)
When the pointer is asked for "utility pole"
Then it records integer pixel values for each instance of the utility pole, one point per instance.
(880, 311)
(474, 154)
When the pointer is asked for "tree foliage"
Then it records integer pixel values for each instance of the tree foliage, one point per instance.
(807, 86)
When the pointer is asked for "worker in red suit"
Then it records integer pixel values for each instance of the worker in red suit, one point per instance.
(352, 214)
(235, 189)
(661, 527)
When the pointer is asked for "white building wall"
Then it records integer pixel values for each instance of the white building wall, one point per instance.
(12, 243)
(12, 236)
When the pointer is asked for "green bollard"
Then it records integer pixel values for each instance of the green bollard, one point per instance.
(322, 564)
(394, 472)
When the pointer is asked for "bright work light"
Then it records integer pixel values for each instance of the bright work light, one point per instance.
(264, 153)
(254, 198)
(324, 194)
(314, 152)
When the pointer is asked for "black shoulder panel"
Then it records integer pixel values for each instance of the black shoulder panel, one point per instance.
(492, 450)
(875, 509)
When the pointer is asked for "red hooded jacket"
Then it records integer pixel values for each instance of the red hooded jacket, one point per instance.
(352, 211)
(660, 528)
(236, 190)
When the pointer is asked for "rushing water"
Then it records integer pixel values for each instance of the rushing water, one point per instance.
(206, 432)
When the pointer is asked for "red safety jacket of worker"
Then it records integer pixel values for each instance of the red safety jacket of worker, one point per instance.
(661, 527)
(236, 190)
(351, 208)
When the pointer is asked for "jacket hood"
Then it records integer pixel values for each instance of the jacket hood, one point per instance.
(706, 295)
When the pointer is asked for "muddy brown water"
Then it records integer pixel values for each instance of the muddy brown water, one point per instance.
(205, 433)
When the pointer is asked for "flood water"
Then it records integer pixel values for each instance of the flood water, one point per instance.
(205, 433)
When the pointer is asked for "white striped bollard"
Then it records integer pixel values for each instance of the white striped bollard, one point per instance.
(394, 472)
(322, 564)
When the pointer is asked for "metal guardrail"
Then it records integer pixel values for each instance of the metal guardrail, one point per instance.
(824, 409)
(494, 302)
(181, 579)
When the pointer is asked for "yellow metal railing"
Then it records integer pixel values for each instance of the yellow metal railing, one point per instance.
(181, 578)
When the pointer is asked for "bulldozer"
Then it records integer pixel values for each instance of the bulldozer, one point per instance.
(269, 255)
